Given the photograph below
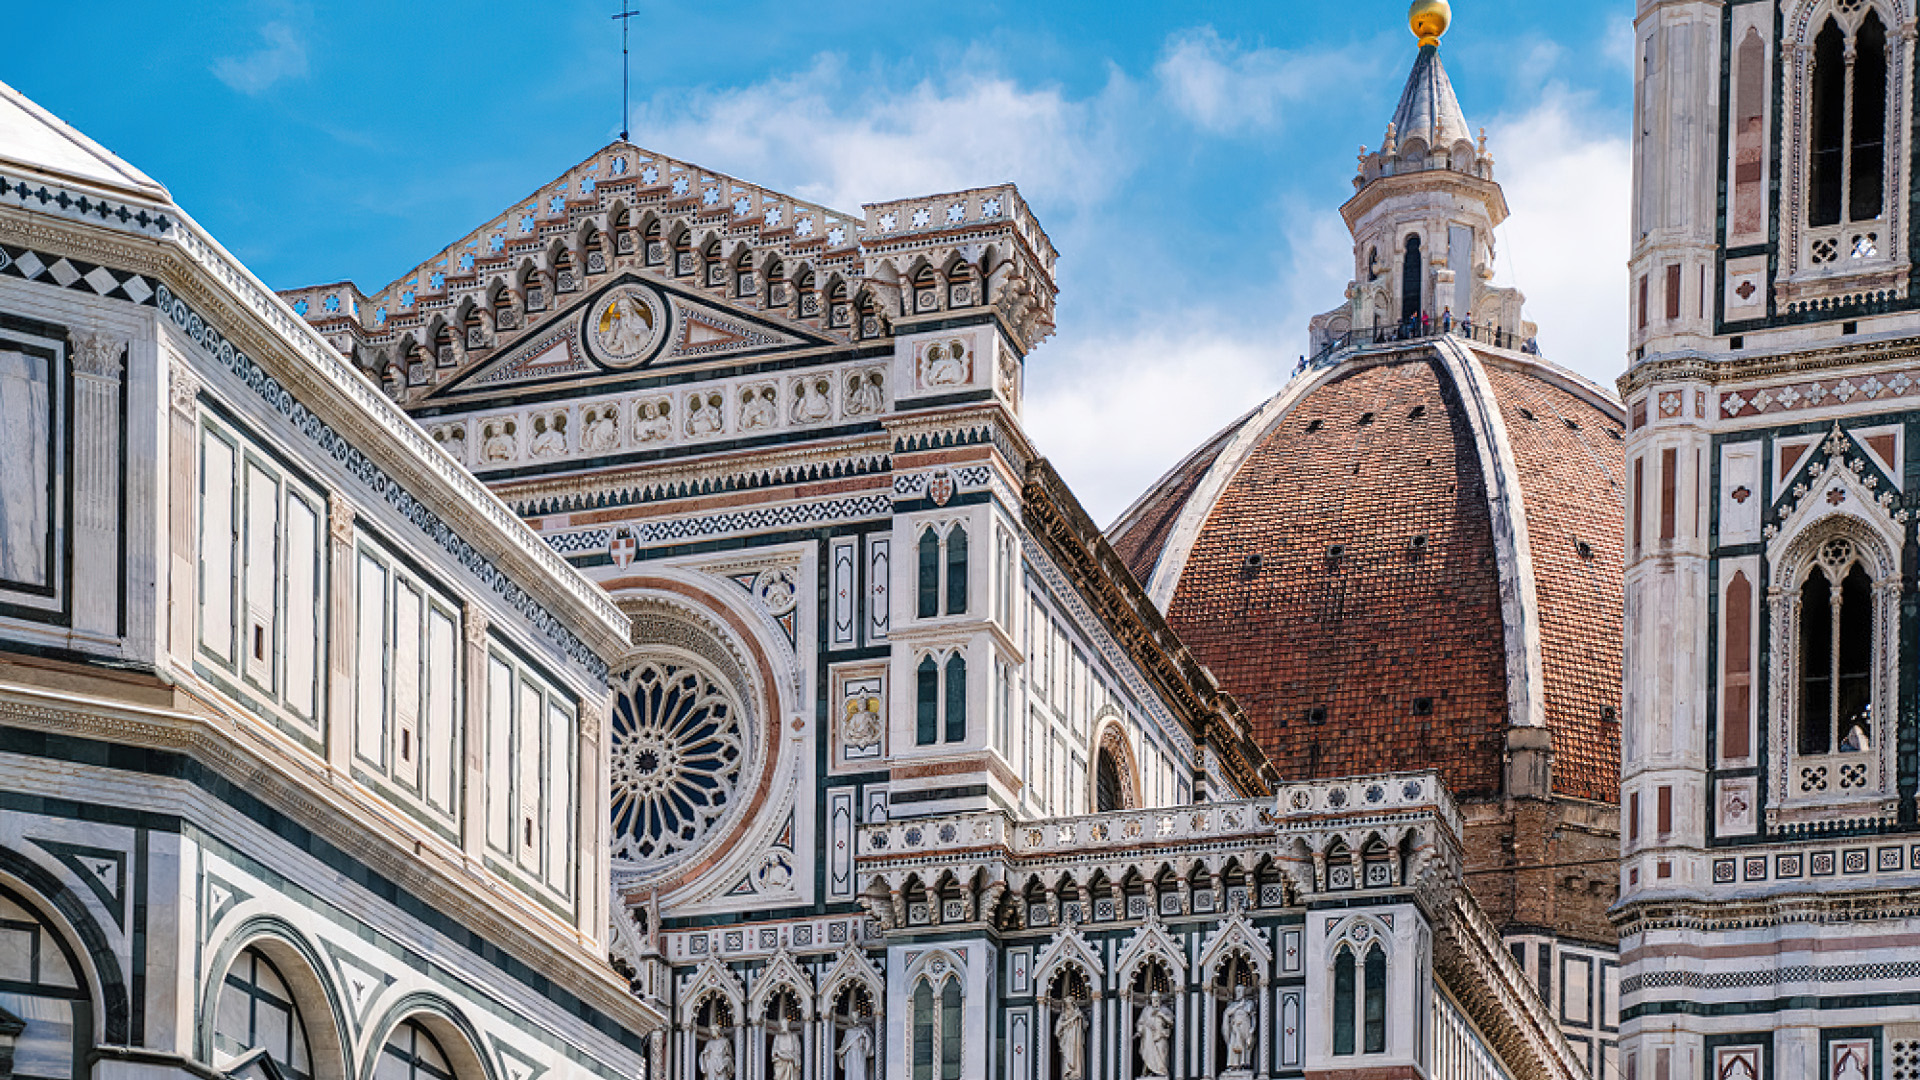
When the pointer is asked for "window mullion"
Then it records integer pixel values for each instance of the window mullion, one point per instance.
(1846, 135)
(1833, 682)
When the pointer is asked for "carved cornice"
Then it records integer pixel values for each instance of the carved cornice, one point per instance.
(1704, 915)
(1722, 370)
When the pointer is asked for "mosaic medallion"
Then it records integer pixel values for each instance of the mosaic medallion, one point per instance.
(627, 325)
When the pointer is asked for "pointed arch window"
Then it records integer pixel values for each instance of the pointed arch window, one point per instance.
(1836, 661)
(1374, 1035)
(957, 570)
(936, 591)
(927, 703)
(938, 1040)
(1343, 995)
(956, 698)
(929, 605)
(1847, 125)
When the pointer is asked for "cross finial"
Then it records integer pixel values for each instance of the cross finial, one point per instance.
(624, 19)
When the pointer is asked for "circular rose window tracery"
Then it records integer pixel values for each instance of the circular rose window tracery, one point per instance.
(679, 749)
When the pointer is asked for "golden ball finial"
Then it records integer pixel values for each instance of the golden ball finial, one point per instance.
(1429, 19)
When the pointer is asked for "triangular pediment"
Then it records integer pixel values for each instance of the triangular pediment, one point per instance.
(632, 324)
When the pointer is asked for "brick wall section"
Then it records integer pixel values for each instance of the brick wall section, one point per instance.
(1572, 476)
(1140, 546)
(1364, 634)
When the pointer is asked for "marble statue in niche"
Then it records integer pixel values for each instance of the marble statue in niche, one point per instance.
(866, 394)
(786, 1051)
(855, 1053)
(26, 443)
(1237, 1025)
(653, 421)
(1070, 1040)
(1155, 1031)
(716, 1059)
(759, 408)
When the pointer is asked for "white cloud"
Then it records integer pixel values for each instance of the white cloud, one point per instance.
(1225, 88)
(283, 56)
(1568, 181)
(1114, 410)
(841, 139)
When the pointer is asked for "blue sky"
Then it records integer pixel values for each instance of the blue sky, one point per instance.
(1188, 160)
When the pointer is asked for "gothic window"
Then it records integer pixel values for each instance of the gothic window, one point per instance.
(938, 1041)
(1749, 134)
(679, 750)
(935, 552)
(1836, 661)
(929, 573)
(927, 703)
(257, 1013)
(412, 1053)
(940, 700)
(1847, 125)
(1410, 280)
(1106, 783)
(957, 570)
(956, 698)
(1343, 995)
(1374, 1037)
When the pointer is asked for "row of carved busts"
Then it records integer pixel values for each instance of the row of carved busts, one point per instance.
(660, 419)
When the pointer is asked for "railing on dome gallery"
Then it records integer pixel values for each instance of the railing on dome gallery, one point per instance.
(1411, 331)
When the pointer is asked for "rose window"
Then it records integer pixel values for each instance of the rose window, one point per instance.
(677, 755)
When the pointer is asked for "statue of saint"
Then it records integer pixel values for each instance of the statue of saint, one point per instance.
(716, 1058)
(786, 1051)
(855, 1053)
(1070, 1041)
(1237, 1024)
(1154, 1027)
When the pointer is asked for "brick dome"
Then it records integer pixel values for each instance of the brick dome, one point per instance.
(1402, 557)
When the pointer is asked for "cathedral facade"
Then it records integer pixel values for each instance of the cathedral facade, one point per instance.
(1770, 868)
(646, 640)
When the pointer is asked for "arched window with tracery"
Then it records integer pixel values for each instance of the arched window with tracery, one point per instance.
(939, 1041)
(1836, 659)
(412, 1053)
(1834, 606)
(257, 1017)
(44, 988)
(1847, 125)
(1359, 994)
(681, 747)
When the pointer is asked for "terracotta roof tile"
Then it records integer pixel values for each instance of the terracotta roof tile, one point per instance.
(1398, 642)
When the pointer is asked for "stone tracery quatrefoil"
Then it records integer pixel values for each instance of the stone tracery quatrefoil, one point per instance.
(677, 756)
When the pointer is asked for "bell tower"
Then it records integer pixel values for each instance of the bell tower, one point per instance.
(1423, 214)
